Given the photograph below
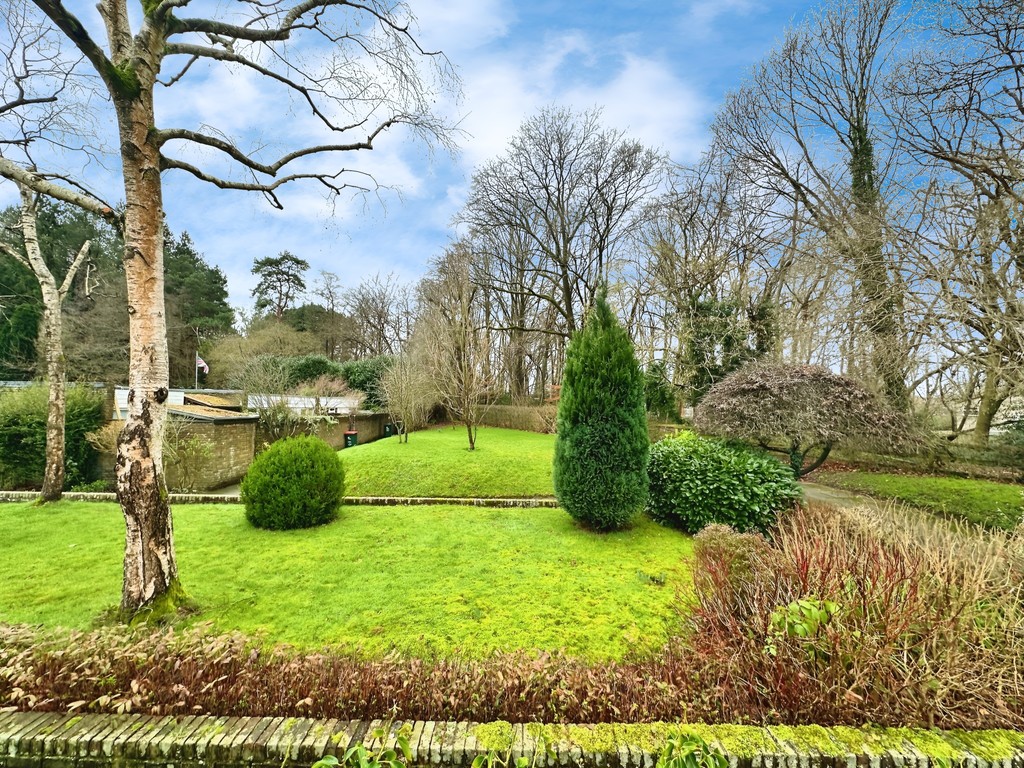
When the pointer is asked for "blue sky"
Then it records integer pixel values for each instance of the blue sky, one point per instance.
(657, 69)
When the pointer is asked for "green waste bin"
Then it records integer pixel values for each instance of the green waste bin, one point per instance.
(389, 430)
(351, 439)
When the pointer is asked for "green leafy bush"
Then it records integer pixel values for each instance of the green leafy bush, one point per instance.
(310, 368)
(365, 375)
(296, 483)
(696, 482)
(23, 435)
(601, 448)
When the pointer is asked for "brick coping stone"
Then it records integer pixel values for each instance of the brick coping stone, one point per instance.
(63, 740)
(362, 501)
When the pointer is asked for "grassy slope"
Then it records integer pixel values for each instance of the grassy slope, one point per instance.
(437, 462)
(424, 580)
(996, 505)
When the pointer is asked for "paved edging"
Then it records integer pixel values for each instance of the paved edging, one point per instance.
(360, 501)
(48, 739)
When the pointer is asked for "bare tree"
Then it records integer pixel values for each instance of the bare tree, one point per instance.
(962, 94)
(455, 343)
(808, 125)
(335, 325)
(381, 310)
(51, 332)
(975, 268)
(369, 75)
(713, 256)
(407, 390)
(502, 268)
(962, 105)
(555, 211)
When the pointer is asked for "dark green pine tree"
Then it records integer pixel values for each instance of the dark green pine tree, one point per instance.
(602, 446)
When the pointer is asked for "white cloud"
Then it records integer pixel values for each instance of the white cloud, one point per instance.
(649, 102)
(702, 15)
(459, 25)
(224, 97)
(642, 96)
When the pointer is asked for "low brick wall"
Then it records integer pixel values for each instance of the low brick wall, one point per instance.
(234, 445)
(370, 427)
(44, 739)
(233, 450)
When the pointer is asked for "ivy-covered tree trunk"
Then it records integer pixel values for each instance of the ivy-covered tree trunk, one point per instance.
(871, 270)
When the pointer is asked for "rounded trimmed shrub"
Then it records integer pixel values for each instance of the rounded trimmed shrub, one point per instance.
(695, 482)
(297, 482)
(600, 464)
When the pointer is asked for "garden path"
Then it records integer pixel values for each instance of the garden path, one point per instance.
(838, 498)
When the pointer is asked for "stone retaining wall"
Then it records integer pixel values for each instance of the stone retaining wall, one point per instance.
(359, 501)
(47, 739)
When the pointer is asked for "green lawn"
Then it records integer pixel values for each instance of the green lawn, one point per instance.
(437, 462)
(995, 505)
(424, 580)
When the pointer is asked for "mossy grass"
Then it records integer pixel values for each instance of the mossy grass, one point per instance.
(984, 502)
(748, 741)
(425, 581)
(168, 607)
(507, 463)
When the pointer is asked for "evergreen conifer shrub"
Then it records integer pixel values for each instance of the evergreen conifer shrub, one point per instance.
(600, 466)
(298, 482)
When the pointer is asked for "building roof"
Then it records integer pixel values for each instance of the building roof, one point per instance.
(213, 401)
(205, 413)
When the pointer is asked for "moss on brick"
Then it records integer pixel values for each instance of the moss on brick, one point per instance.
(931, 744)
(991, 745)
(496, 736)
(742, 741)
(808, 739)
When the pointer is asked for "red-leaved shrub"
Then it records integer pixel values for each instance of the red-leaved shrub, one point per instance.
(856, 616)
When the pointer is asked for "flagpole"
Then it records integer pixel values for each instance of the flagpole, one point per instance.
(196, 329)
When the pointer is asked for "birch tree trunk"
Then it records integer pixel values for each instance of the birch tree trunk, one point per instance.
(128, 67)
(150, 568)
(50, 336)
(56, 376)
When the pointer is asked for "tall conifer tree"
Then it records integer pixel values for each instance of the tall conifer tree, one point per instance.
(601, 451)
